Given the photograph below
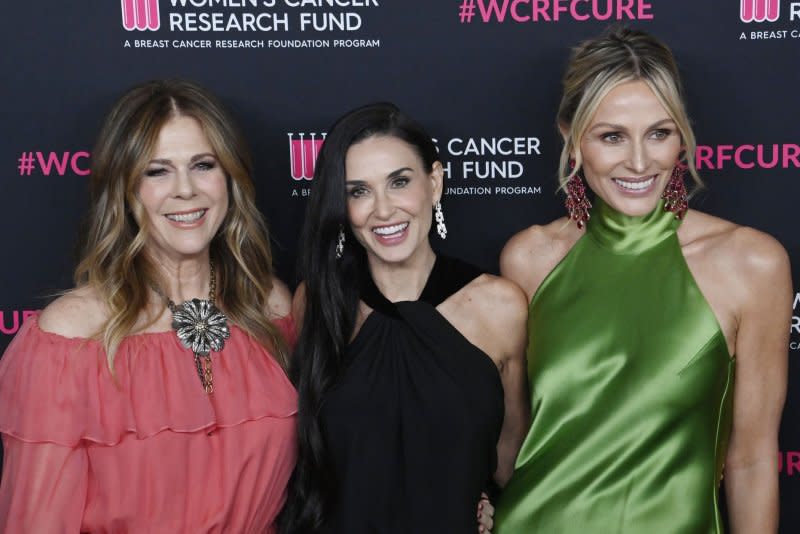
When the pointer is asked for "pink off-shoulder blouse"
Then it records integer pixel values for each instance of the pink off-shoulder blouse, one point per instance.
(145, 451)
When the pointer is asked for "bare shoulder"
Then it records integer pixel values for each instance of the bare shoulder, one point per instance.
(496, 296)
(280, 299)
(495, 306)
(78, 313)
(749, 253)
(530, 255)
(493, 313)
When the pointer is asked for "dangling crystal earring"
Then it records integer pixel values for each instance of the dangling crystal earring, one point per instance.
(340, 244)
(675, 194)
(441, 229)
(577, 204)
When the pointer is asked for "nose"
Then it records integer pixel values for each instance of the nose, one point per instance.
(183, 185)
(638, 158)
(383, 207)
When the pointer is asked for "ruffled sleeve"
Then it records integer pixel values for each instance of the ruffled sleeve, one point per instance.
(44, 487)
(44, 483)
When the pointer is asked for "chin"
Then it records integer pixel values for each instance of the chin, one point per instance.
(634, 207)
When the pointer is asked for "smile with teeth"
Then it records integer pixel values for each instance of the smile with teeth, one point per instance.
(188, 217)
(385, 231)
(634, 185)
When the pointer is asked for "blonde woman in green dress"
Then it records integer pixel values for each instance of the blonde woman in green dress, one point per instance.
(658, 335)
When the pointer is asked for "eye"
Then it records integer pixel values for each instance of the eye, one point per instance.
(205, 165)
(661, 133)
(357, 191)
(155, 171)
(611, 137)
(400, 182)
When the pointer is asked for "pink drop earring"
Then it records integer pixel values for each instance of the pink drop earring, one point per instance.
(675, 195)
(577, 204)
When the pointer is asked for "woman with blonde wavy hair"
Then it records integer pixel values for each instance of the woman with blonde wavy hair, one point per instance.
(658, 334)
(152, 396)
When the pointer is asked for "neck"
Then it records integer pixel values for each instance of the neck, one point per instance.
(184, 279)
(406, 280)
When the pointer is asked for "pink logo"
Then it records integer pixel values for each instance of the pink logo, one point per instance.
(53, 163)
(303, 155)
(759, 10)
(789, 462)
(140, 15)
(11, 321)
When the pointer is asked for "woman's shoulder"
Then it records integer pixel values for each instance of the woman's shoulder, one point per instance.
(490, 292)
(279, 303)
(745, 251)
(532, 253)
(78, 313)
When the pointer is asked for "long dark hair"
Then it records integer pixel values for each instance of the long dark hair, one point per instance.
(331, 300)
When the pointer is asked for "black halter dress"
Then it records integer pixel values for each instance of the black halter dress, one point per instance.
(412, 424)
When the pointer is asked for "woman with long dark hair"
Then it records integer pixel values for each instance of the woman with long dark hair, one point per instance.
(410, 365)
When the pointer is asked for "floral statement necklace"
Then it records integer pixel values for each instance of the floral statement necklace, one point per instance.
(201, 327)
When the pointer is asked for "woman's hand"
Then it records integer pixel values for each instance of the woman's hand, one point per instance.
(485, 515)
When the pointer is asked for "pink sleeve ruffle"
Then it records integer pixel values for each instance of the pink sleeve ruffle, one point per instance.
(44, 487)
(55, 389)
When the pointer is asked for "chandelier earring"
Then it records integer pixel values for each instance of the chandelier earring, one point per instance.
(441, 229)
(340, 244)
(577, 204)
(675, 195)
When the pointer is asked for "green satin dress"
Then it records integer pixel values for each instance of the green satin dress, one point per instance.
(631, 391)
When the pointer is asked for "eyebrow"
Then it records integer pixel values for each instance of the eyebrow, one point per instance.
(194, 158)
(620, 127)
(389, 176)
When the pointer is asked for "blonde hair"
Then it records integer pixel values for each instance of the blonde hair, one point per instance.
(113, 260)
(597, 66)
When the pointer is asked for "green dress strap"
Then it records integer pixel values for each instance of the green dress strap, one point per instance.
(631, 390)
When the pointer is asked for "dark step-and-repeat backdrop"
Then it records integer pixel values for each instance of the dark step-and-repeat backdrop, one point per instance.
(482, 75)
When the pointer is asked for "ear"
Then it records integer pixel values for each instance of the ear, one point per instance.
(437, 180)
(563, 129)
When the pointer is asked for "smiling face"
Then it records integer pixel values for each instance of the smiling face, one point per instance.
(183, 192)
(390, 198)
(629, 149)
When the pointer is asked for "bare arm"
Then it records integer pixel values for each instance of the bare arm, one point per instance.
(506, 312)
(517, 406)
(751, 470)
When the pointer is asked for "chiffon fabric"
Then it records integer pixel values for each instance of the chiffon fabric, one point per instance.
(413, 422)
(631, 390)
(145, 450)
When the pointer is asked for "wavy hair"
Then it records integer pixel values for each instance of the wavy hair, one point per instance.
(113, 259)
(597, 66)
(331, 300)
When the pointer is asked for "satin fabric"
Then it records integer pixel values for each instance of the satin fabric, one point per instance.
(412, 425)
(146, 450)
(631, 390)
